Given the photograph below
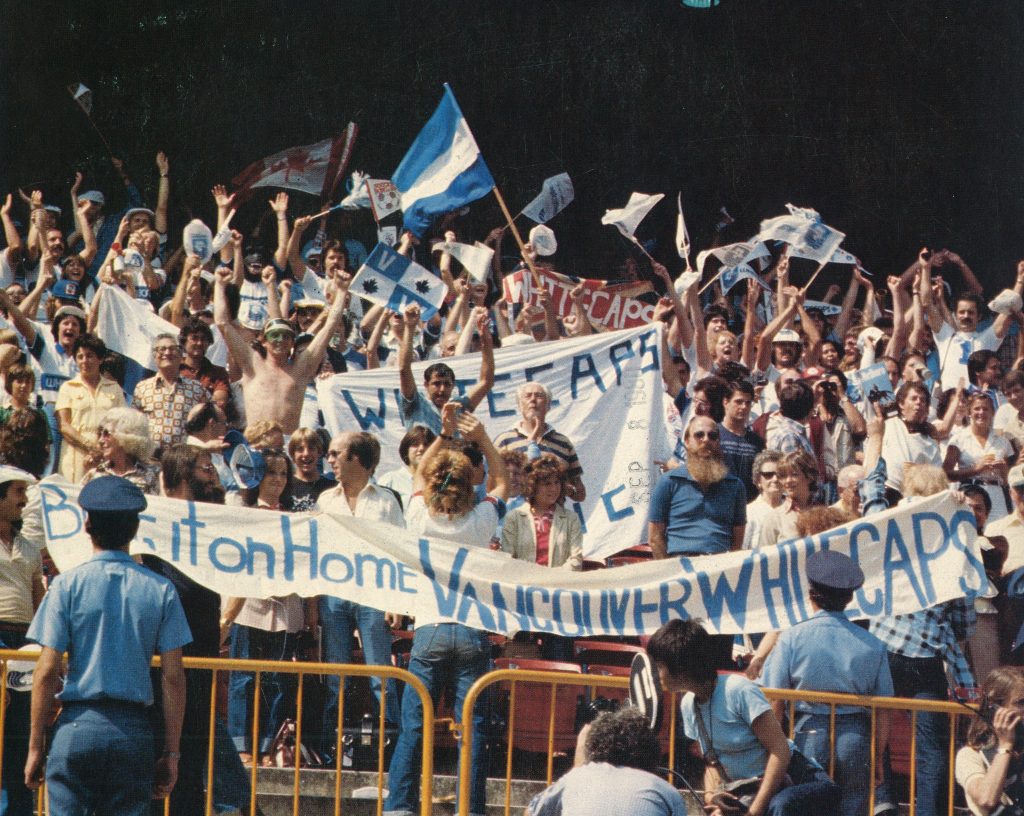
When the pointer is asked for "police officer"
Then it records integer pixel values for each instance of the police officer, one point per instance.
(829, 653)
(110, 615)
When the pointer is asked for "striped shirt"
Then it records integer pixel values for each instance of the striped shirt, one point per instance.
(551, 442)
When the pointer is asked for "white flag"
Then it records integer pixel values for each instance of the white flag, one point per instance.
(128, 327)
(476, 258)
(83, 96)
(682, 234)
(359, 195)
(555, 195)
(752, 253)
(627, 219)
(384, 197)
(805, 232)
(840, 256)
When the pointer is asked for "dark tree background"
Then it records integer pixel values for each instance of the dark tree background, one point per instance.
(899, 121)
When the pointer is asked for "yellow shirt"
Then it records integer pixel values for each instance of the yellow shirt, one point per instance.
(88, 408)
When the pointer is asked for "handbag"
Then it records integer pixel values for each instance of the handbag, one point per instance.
(733, 797)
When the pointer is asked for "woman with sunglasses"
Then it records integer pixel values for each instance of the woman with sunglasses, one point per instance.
(798, 471)
(126, 450)
(765, 475)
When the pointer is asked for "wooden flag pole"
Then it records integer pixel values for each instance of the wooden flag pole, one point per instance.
(518, 237)
(103, 138)
(816, 271)
(718, 274)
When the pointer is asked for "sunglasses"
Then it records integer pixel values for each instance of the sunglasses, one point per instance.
(711, 435)
(769, 474)
(277, 337)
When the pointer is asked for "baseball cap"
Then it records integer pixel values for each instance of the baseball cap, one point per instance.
(786, 336)
(95, 196)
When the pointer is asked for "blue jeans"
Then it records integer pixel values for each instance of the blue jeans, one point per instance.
(924, 678)
(100, 761)
(338, 620)
(441, 652)
(15, 798)
(50, 412)
(820, 796)
(853, 755)
(232, 788)
(277, 691)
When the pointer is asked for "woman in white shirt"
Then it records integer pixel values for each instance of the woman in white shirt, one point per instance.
(977, 454)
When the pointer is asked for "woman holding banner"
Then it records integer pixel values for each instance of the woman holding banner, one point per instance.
(443, 505)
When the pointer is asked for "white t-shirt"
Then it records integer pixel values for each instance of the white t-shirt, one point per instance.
(475, 529)
(954, 347)
(900, 447)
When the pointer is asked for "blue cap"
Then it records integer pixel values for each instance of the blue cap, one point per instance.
(833, 570)
(66, 290)
(111, 494)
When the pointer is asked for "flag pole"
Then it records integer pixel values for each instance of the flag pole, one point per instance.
(718, 274)
(518, 237)
(816, 271)
(103, 138)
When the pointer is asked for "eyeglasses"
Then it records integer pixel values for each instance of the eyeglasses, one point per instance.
(769, 474)
(710, 435)
(103, 433)
(165, 350)
(277, 337)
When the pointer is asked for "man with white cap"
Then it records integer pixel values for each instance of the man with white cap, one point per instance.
(109, 612)
(21, 590)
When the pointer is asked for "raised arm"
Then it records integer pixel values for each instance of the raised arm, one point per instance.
(479, 391)
(23, 325)
(472, 429)
(775, 325)
(223, 202)
(308, 363)
(36, 214)
(189, 277)
(295, 261)
(584, 326)
(163, 195)
(90, 249)
(849, 299)
(11, 236)
(750, 321)
(229, 328)
(1001, 325)
(279, 204)
(373, 344)
(971, 281)
(700, 335)
(900, 327)
(30, 305)
(268, 277)
(406, 383)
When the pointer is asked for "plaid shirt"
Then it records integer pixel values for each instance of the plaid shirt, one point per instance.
(167, 406)
(932, 632)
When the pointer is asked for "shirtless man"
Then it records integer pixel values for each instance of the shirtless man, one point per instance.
(272, 383)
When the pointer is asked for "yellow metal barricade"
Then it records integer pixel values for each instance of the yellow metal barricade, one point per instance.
(555, 679)
(218, 667)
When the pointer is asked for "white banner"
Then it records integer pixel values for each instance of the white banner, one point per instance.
(606, 397)
(914, 557)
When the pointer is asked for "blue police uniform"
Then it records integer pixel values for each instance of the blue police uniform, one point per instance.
(829, 653)
(110, 615)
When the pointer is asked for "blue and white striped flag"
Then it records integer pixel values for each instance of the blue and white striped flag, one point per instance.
(393, 281)
(443, 169)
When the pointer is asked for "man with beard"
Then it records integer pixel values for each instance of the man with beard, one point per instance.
(699, 508)
(533, 436)
(186, 472)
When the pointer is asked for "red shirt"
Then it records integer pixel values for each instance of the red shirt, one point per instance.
(542, 531)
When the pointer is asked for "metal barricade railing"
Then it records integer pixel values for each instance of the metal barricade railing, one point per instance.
(259, 668)
(556, 679)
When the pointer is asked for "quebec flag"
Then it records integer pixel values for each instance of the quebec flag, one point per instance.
(394, 281)
(443, 169)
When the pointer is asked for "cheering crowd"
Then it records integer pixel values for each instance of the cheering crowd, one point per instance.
(789, 417)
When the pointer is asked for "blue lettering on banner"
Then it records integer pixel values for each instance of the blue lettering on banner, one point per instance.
(370, 418)
(652, 350)
(461, 386)
(311, 549)
(68, 521)
(192, 522)
(145, 518)
(493, 396)
(536, 624)
(230, 544)
(404, 573)
(386, 575)
(641, 609)
(578, 508)
(469, 596)
(613, 610)
(965, 518)
(255, 548)
(327, 568)
(583, 365)
(873, 607)
(670, 608)
(615, 514)
(530, 373)
(580, 613)
(780, 583)
(735, 598)
(920, 540)
(618, 353)
(898, 558)
(445, 600)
